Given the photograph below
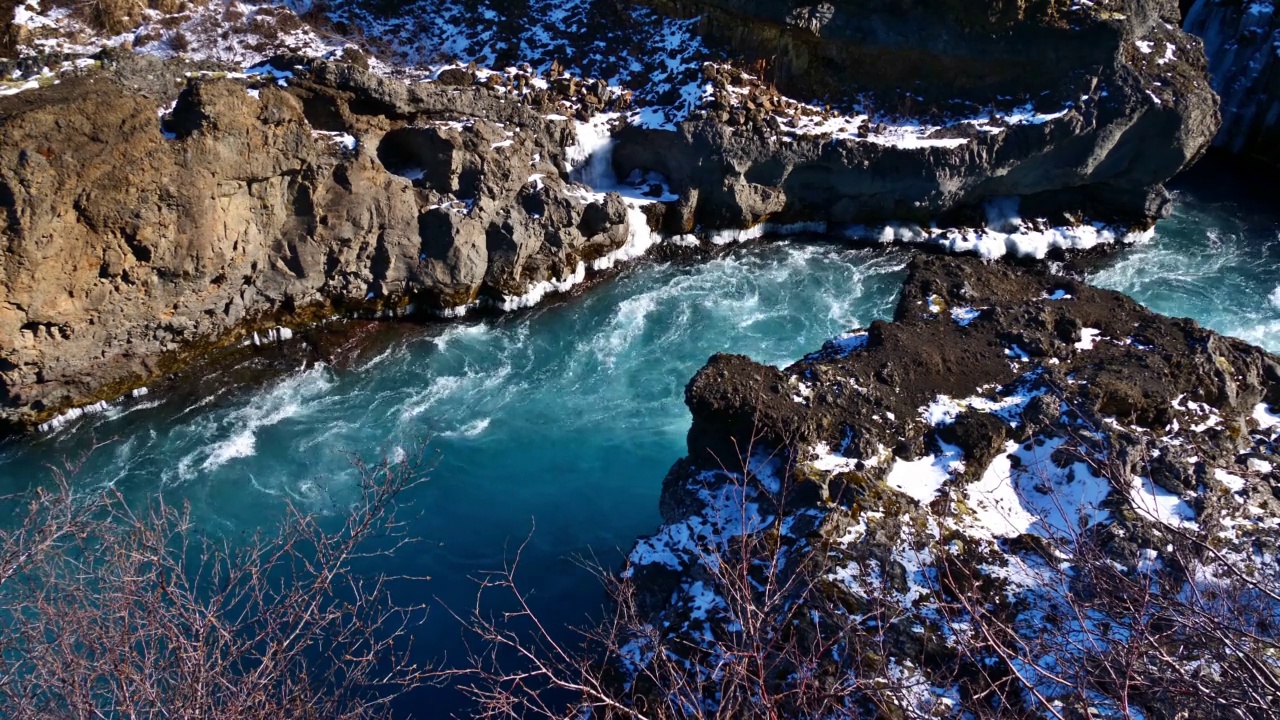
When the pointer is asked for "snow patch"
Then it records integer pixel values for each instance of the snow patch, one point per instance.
(848, 343)
(345, 141)
(1024, 490)
(965, 315)
(822, 458)
(923, 478)
(1088, 338)
(1005, 234)
(1259, 466)
(1161, 505)
(61, 421)
(944, 410)
(1264, 417)
(1234, 483)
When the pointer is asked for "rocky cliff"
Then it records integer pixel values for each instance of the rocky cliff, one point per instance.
(154, 209)
(1242, 42)
(1056, 102)
(975, 509)
(135, 235)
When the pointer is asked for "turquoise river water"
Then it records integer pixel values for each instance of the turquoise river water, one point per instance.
(568, 416)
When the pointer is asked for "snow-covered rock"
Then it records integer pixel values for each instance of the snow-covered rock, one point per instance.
(921, 494)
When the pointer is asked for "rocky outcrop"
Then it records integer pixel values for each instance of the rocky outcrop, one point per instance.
(135, 237)
(939, 49)
(974, 469)
(1113, 102)
(1242, 42)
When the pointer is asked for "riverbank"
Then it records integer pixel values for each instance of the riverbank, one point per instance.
(216, 200)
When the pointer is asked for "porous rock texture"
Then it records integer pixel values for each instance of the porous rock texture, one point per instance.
(1006, 423)
(135, 237)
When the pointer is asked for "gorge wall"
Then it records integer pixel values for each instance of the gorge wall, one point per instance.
(1242, 42)
(1051, 99)
(136, 238)
(156, 209)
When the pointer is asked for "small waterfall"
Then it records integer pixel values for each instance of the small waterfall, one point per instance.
(590, 161)
(1241, 41)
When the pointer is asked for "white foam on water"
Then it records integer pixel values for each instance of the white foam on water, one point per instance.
(447, 386)
(291, 397)
(439, 388)
(1218, 266)
(471, 429)
(627, 323)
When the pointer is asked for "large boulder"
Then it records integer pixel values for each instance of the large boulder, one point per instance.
(1012, 469)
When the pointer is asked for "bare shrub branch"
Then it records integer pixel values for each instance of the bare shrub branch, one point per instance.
(761, 623)
(115, 611)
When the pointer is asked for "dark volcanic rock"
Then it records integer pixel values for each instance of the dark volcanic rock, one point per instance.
(1139, 368)
(1015, 452)
(939, 49)
(1118, 121)
(1242, 42)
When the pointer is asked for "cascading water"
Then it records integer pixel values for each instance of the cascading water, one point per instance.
(590, 159)
(590, 162)
(1242, 44)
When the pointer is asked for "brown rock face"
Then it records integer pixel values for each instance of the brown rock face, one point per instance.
(133, 240)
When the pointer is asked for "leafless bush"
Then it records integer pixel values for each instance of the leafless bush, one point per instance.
(775, 641)
(178, 41)
(1195, 634)
(111, 611)
(1185, 630)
